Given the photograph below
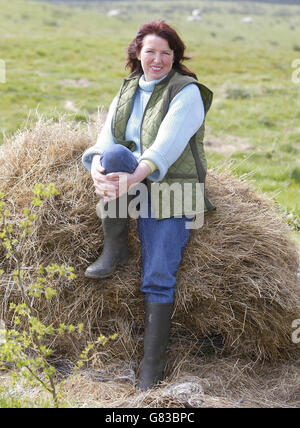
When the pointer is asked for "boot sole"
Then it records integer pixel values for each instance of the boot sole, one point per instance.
(98, 276)
(107, 274)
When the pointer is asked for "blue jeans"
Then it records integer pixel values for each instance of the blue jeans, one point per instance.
(162, 241)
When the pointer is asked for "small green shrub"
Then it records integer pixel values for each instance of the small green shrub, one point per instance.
(24, 346)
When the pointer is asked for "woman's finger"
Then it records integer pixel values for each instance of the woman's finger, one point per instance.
(107, 196)
(101, 179)
(106, 187)
(113, 176)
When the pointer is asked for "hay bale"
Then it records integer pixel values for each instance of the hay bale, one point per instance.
(238, 276)
(203, 382)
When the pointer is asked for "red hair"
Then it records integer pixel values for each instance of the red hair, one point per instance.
(163, 30)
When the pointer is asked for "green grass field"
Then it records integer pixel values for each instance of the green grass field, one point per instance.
(63, 58)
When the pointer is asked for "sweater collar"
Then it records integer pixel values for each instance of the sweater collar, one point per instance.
(149, 86)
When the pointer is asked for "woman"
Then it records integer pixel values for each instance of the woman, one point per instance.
(153, 134)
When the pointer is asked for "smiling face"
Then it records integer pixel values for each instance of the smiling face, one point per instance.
(156, 57)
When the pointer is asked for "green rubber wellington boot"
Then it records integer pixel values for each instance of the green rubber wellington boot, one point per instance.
(156, 337)
(115, 250)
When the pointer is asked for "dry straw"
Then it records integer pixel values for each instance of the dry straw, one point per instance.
(238, 276)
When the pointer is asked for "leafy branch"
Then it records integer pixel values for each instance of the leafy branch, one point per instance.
(24, 348)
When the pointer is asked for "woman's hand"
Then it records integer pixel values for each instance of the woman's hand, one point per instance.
(122, 182)
(105, 186)
(116, 184)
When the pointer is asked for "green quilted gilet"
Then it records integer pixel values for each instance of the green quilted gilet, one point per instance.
(190, 167)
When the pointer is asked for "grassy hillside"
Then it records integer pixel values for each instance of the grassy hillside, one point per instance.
(60, 58)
